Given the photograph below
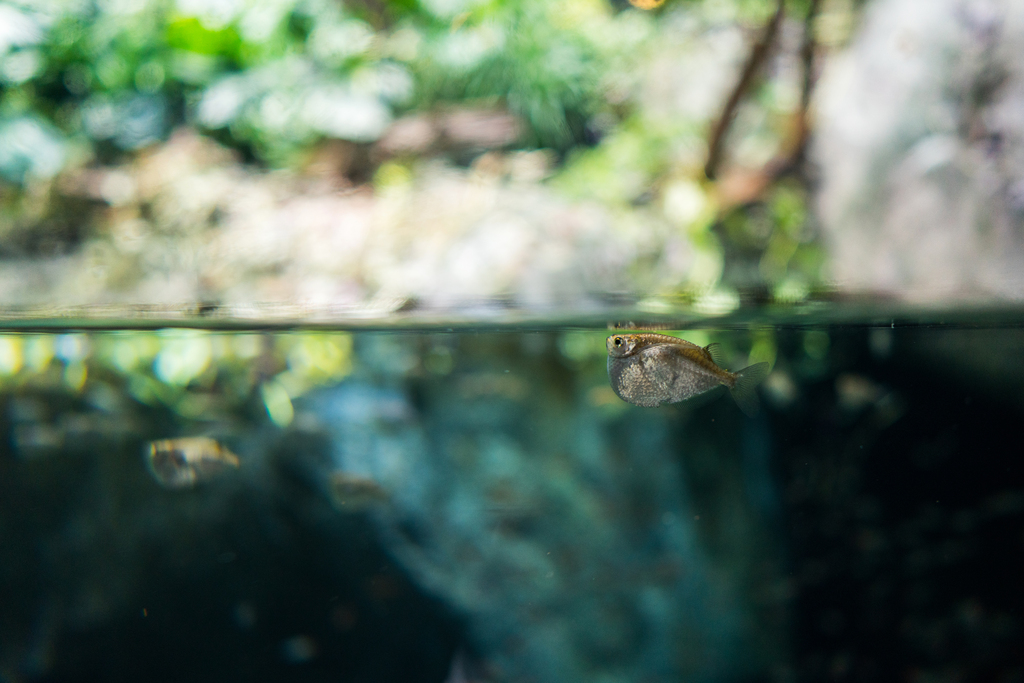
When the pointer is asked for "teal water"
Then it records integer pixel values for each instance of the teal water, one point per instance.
(469, 501)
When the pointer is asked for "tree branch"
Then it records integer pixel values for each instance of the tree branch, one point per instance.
(757, 57)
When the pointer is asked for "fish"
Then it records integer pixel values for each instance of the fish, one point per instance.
(649, 370)
(352, 493)
(184, 462)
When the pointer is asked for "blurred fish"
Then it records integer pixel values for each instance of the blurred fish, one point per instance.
(651, 369)
(183, 463)
(352, 493)
(631, 325)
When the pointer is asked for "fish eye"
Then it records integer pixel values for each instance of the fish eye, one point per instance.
(618, 341)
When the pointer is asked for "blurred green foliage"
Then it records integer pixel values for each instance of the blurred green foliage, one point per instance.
(780, 237)
(107, 77)
(85, 81)
(214, 377)
(196, 374)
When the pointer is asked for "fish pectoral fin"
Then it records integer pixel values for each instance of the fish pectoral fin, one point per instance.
(714, 352)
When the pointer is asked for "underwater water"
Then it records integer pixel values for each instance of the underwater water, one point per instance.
(468, 504)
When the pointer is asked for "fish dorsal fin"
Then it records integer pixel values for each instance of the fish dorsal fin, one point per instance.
(713, 351)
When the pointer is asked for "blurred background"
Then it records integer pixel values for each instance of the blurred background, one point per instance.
(438, 483)
(357, 158)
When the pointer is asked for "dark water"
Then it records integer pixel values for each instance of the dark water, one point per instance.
(434, 505)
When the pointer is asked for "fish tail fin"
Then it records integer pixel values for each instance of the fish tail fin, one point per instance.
(744, 390)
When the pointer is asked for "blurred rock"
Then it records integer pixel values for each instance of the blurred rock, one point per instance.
(920, 142)
(462, 129)
(255, 575)
(187, 224)
(569, 535)
(563, 536)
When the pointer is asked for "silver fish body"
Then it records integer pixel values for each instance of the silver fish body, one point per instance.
(658, 374)
(650, 369)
